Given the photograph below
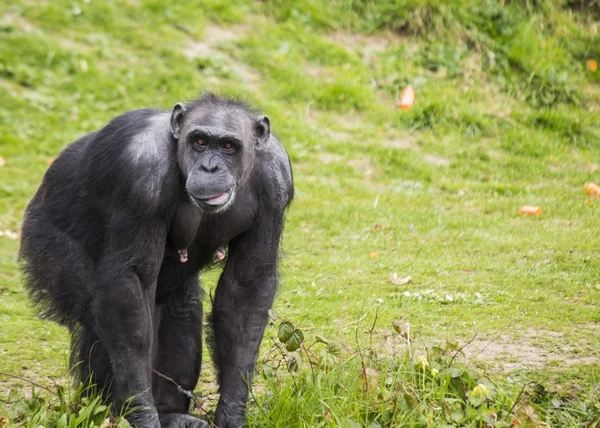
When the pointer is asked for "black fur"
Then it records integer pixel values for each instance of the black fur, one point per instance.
(115, 237)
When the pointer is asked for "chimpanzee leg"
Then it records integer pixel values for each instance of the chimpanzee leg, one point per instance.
(123, 309)
(178, 354)
(91, 359)
(239, 318)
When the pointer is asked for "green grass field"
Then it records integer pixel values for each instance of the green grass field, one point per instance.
(500, 322)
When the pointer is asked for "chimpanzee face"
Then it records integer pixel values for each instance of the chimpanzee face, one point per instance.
(216, 151)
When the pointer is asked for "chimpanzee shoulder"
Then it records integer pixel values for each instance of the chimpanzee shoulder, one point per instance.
(273, 178)
(132, 161)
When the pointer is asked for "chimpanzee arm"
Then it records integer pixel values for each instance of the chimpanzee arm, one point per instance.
(244, 295)
(124, 286)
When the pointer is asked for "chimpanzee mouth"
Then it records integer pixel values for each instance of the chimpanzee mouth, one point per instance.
(216, 201)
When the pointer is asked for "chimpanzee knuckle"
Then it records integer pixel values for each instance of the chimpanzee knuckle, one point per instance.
(144, 419)
(181, 420)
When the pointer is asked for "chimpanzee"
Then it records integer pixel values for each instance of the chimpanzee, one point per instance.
(115, 237)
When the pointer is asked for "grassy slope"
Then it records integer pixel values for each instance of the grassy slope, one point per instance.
(506, 115)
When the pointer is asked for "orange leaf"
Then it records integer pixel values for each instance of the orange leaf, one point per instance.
(592, 189)
(374, 254)
(530, 210)
(592, 65)
(407, 98)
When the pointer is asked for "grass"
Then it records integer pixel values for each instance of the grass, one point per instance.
(506, 115)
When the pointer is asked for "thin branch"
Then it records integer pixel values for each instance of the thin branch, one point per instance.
(180, 389)
(519, 397)
(24, 379)
(461, 348)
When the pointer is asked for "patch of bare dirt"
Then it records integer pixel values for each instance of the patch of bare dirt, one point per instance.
(368, 43)
(213, 36)
(11, 18)
(340, 136)
(328, 158)
(528, 352)
(209, 46)
(436, 160)
(29, 27)
(405, 143)
(365, 165)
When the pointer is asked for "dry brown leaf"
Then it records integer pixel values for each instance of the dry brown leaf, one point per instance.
(528, 415)
(400, 281)
(369, 379)
(402, 328)
(374, 254)
(388, 344)
(9, 234)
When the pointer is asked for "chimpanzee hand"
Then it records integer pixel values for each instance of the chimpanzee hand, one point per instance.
(181, 420)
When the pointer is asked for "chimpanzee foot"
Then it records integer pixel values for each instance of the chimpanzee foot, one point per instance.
(180, 420)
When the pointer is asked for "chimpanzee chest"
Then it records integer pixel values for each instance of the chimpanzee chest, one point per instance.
(213, 233)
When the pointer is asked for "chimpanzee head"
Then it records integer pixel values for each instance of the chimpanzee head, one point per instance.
(217, 138)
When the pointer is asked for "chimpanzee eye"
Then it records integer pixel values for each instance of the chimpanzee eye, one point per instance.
(200, 142)
(228, 146)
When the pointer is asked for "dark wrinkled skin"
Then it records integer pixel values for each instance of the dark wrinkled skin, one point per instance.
(102, 252)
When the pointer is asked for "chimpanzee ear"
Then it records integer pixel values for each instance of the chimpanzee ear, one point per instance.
(179, 112)
(262, 129)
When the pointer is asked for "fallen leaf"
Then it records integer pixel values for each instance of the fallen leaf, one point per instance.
(402, 328)
(528, 414)
(530, 210)
(388, 344)
(592, 189)
(400, 281)
(374, 254)
(369, 379)
(592, 65)
(407, 98)
(10, 234)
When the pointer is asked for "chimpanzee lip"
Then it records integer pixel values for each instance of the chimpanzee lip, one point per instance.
(216, 200)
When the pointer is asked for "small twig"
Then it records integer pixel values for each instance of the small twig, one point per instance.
(310, 361)
(359, 320)
(283, 356)
(461, 348)
(358, 348)
(180, 389)
(519, 397)
(24, 379)
(371, 332)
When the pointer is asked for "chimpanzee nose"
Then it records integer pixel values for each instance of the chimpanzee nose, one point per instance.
(210, 166)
